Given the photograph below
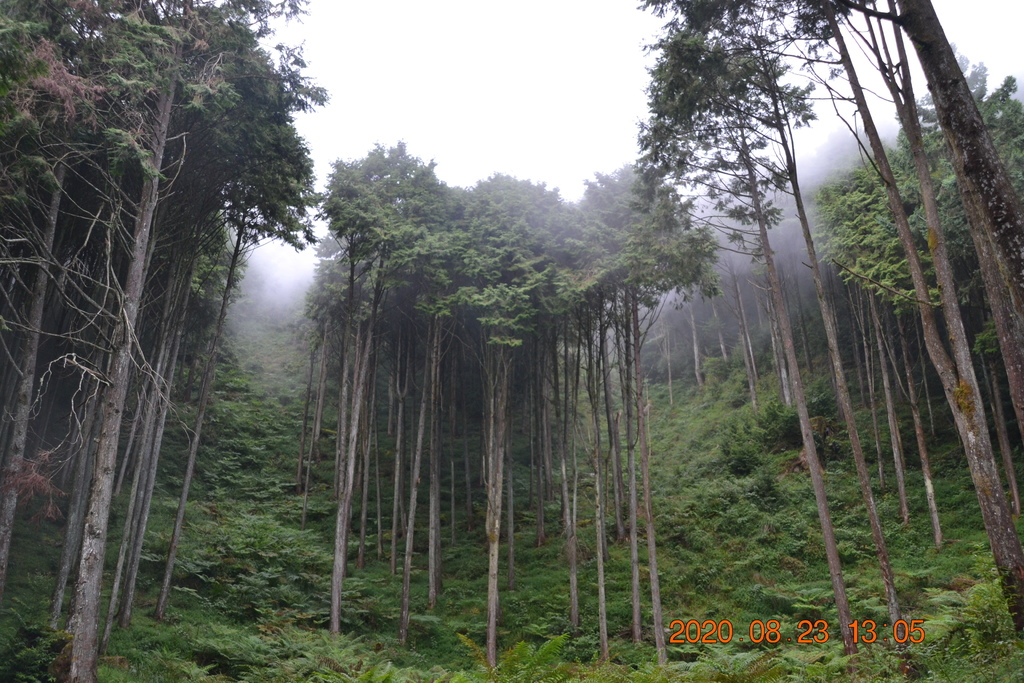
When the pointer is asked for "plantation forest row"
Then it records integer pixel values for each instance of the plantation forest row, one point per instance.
(507, 436)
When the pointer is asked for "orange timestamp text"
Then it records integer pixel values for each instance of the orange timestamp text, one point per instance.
(807, 631)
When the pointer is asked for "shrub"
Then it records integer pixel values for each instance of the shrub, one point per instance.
(29, 657)
(779, 425)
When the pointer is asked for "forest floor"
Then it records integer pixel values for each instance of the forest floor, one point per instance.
(736, 526)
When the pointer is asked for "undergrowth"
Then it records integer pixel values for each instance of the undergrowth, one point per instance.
(736, 526)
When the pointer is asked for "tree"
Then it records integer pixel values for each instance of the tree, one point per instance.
(956, 372)
(993, 205)
(385, 212)
(711, 131)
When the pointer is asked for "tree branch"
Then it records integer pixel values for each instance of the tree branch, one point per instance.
(876, 283)
(864, 9)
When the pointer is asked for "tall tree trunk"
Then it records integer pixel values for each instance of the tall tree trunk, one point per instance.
(434, 500)
(152, 457)
(377, 494)
(369, 430)
(561, 401)
(668, 364)
(748, 350)
(14, 459)
(922, 443)
(1009, 326)
(497, 379)
(807, 433)
(992, 204)
(137, 517)
(957, 373)
(624, 349)
(398, 483)
(540, 441)
(510, 532)
(869, 355)
(305, 420)
(1002, 436)
(696, 347)
(855, 343)
(318, 416)
(342, 521)
(801, 318)
(782, 371)
(204, 400)
(718, 329)
(890, 414)
(614, 442)
(83, 620)
(451, 488)
(348, 348)
(657, 620)
(426, 392)
(467, 470)
(75, 526)
(830, 323)
(128, 459)
(594, 358)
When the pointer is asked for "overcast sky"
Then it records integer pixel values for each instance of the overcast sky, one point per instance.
(546, 90)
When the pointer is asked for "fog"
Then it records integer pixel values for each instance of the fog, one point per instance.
(276, 280)
(540, 92)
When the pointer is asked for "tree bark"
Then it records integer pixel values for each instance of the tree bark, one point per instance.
(845, 403)
(657, 620)
(152, 457)
(782, 371)
(696, 347)
(342, 521)
(992, 204)
(426, 393)
(75, 526)
(922, 443)
(599, 512)
(869, 356)
(369, 431)
(807, 433)
(561, 401)
(14, 459)
(398, 483)
(510, 532)
(957, 373)
(748, 350)
(305, 420)
(153, 412)
(890, 414)
(434, 502)
(83, 620)
(497, 378)
(204, 400)
(624, 350)
(614, 441)
(1002, 435)
(318, 416)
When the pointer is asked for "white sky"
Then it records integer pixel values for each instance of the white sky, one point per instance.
(549, 90)
(546, 90)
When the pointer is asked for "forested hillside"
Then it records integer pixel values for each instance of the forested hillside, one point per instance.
(712, 421)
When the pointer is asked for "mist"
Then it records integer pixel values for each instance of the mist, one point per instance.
(276, 280)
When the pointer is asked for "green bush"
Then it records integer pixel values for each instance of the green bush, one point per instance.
(29, 656)
(780, 426)
(742, 444)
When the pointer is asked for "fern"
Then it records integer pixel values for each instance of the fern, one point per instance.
(522, 663)
(747, 667)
